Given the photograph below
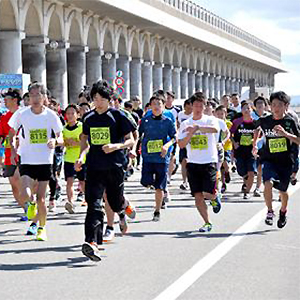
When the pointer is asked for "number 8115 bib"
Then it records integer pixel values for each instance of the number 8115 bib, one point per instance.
(100, 135)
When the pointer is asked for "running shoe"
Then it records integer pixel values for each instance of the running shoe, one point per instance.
(91, 251)
(184, 186)
(227, 177)
(52, 206)
(233, 169)
(244, 187)
(207, 227)
(70, 207)
(216, 204)
(23, 218)
(156, 216)
(163, 205)
(223, 188)
(166, 197)
(294, 181)
(282, 219)
(130, 211)
(256, 193)
(123, 223)
(175, 169)
(269, 218)
(246, 196)
(32, 210)
(108, 235)
(41, 234)
(58, 192)
(83, 203)
(32, 230)
(80, 197)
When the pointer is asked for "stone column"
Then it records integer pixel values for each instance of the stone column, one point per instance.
(34, 58)
(123, 64)
(199, 81)
(167, 78)
(252, 85)
(176, 82)
(241, 84)
(109, 67)
(233, 86)
(191, 82)
(76, 60)
(228, 85)
(205, 84)
(222, 86)
(136, 77)
(11, 52)
(147, 82)
(157, 76)
(57, 75)
(217, 87)
(93, 66)
(184, 83)
(211, 85)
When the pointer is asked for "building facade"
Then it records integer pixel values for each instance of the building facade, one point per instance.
(157, 44)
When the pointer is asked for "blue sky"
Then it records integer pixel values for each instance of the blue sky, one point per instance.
(275, 21)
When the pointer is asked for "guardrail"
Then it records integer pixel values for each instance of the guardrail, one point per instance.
(194, 10)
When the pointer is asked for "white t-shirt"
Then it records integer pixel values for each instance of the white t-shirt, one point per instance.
(222, 127)
(182, 117)
(36, 130)
(202, 149)
(174, 110)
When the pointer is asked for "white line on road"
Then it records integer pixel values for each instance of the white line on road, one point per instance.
(204, 264)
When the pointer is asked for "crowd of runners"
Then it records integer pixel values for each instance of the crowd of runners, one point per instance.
(100, 141)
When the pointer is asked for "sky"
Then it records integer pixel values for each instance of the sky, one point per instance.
(277, 22)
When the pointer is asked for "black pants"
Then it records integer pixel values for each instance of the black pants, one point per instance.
(111, 181)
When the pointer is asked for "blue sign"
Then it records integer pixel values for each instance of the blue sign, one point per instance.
(14, 81)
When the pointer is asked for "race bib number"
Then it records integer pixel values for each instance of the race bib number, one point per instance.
(246, 140)
(7, 143)
(199, 142)
(277, 145)
(100, 135)
(154, 146)
(38, 136)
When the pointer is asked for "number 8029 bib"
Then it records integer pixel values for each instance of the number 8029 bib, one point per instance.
(100, 135)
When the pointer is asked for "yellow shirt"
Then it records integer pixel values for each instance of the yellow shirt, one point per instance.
(228, 144)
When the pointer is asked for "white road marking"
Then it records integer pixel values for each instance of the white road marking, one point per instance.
(205, 263)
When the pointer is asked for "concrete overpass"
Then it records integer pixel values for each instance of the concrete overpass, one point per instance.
(170, 44)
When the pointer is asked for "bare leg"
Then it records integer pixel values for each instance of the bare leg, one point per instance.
(41, 195)
(201, 206)
(159, 194)
(69, 188)
(249, 181)
(268, 194)
(110, 215)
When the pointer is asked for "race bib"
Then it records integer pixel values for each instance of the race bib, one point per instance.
(38, 136)
(277, 145)
(100, 135)
(199, 142)
(246, 140)
(7, 143)
(154, 146)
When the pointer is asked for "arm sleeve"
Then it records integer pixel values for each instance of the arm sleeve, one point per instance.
(172, 130)
(15, 121)
(57, 125)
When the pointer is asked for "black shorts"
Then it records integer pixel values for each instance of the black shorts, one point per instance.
(279, 174)
(70, 171)
(36, 172)
(202, 178)
(9, 171)
(182, 154)
(174, 149)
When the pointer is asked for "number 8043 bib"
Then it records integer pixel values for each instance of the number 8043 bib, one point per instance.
(100, 135)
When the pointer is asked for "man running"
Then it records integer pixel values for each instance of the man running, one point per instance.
(282, 138)
(106, 132)
(41, 131)
(198, 135)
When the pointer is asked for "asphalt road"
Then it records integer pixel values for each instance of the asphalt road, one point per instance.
(241, 258)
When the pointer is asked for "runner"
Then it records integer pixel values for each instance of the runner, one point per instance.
(12, 100)
(221, 113)
(282, 136)
(158, 133)
(41, 131)
(182, 116)
(242, 131)
(197, 134)
(71, 134)
(107, 131)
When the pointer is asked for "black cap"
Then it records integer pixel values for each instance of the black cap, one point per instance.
(172, 94)
(15, 94)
